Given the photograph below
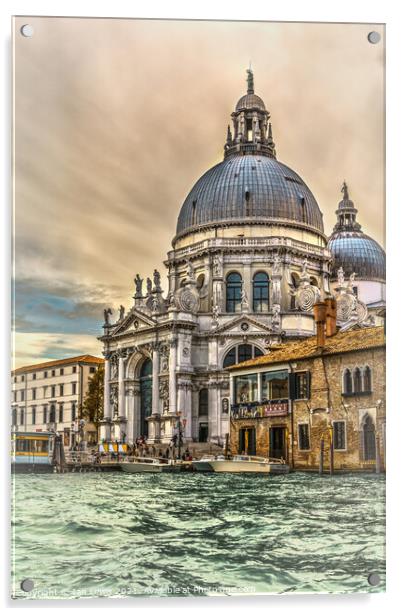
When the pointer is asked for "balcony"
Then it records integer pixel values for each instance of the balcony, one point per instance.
(260, 410)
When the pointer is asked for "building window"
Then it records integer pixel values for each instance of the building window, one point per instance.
(304, 436)
(33, 415)
(74, 388)
(61, 390)
(234, 287)
(260, 292)
(52, 414)
(14, 417)
(53, 391)
(33, 394)
(22, 396)
(34, 376)
(92, 369)
(53, 372)
(246, 387)
(73, 412)
(15, 396)
(45, 414)
(23, 378)
(21, 417)
(74, 369)
(45, 375)
(61, 413)
(61, 371)
(301, 385)
(347, 382)
(339, 428)
(357, 380)
(239, 353)
(367, 379)
(203, 403)
(15, 379)
(275, 385)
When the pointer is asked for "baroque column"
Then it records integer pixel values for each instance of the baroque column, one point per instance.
(172, 377)
(155, 380)
(107, 420)
(122, 405)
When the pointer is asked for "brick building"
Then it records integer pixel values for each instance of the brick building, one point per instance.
(48, 396)
(329, 389)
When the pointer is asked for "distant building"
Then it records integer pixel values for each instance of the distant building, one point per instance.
(284, 403)
(48, 396)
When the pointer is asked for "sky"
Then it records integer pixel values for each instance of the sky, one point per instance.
(114, 122)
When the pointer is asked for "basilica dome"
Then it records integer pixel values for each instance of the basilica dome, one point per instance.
(353, 250)
(250, 186)
(253, 189)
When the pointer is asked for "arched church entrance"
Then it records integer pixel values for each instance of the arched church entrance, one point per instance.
(368, 439)
(145, 395)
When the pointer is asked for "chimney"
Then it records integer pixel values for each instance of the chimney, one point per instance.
(320, 315)
(330, 318)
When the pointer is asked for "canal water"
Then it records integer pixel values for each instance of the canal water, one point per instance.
(117, 535)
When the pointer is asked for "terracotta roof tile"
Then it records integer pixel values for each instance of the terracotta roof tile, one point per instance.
(342, 342)
(88, 359)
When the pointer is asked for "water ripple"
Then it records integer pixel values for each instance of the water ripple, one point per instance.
(124, 535)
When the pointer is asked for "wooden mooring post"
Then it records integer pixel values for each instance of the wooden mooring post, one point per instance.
(321, 468)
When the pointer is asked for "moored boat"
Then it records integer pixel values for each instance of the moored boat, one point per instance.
(249, 464)
(149, 465)
(203, 464)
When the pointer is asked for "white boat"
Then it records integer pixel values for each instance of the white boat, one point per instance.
(249, 464)
(149, 465)
(203, 464)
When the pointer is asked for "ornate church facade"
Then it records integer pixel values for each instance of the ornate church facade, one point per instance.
(248, 262)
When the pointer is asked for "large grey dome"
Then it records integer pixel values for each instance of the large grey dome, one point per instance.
(249, 189)
(250, 101)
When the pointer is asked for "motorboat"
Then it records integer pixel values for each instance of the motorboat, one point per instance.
(249, 464)
(149, 465)
(203, 464)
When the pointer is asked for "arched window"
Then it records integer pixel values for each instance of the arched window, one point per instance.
(367, 379)
(369, 446)
(233, 292)
(73, 411)
(357, 380)
(203, 403)
(347, 382)
(260, 292)
(240, 353)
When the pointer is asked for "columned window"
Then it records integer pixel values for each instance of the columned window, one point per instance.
(367, 379)
(260, 292)
(234, 286)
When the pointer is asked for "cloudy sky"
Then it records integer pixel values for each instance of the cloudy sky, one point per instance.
(115, 120)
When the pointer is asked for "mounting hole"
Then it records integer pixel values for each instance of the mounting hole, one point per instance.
(373, 579)
(27, 585)
(27, 30)
(374, 37)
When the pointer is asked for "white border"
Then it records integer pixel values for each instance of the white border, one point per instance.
(287, 10)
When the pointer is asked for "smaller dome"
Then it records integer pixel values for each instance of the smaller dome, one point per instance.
(250, 101)
(357, 253)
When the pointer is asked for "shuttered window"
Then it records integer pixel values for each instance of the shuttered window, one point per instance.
(299, 385)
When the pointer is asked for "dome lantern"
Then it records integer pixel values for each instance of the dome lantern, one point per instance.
(251, 132)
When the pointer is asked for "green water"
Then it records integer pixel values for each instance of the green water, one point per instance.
(116, 535)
